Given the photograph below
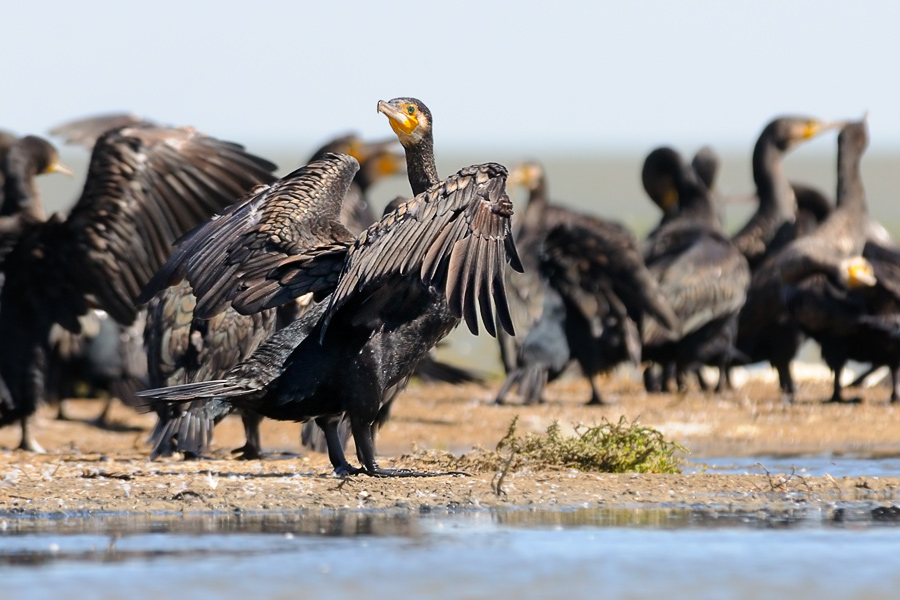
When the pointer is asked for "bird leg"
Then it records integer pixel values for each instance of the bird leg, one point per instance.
(365, 449)
(101, 420)
(252, 449)
(701, 380)
(786, 381)
(836, 396)
(595, 400)
(895, 384)
(504, 389)
(724, 383)
(651, 382)
(28, 443)
(342, 468)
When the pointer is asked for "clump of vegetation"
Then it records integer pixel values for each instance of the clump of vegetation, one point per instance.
(621, 447)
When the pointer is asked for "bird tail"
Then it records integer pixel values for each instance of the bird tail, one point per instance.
(218, 388)
(187, 431)
(530, 382)
(432, 370)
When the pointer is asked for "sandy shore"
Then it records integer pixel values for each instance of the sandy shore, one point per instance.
(89, 470)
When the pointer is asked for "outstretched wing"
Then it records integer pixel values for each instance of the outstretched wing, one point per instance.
(292, 227)
(455, 237)
(146, 187)
(85, 132)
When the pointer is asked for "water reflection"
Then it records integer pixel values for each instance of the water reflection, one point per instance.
(38, 541)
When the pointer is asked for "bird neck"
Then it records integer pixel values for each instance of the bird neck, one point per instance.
(20, 191)
(420, 166)
(851, 195)
(772, 186)
(695, 204)
(533, 217)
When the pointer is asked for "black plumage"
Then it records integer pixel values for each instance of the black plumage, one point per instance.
(183, 348)
(395, 290)
(772, 225)
(581, 298)
(146, 186)
(848, 302)
(700, 272)
(377, 160)
(105, 356)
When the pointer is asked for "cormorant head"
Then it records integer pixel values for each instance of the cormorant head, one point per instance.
(529, 175)
(706, 165)
(7, 140)
(42, 155)
(376, 159)
(857, 272)
(855, 135)
(409, 118)
(380, 160)
(788, 132)
(662, 175)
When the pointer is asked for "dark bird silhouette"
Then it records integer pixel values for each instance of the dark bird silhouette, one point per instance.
(700, 273)
(772, 225)
(146, 186)
(106, 357)
(395, 290)
(581, 298)
(848, 303)
(183, 348)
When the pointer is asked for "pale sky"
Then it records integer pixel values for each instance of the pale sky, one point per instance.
(534, 76)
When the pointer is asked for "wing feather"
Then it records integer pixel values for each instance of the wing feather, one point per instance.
(241, 256)
(121, 229)
(462, 243)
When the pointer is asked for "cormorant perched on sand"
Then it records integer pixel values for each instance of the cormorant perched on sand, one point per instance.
(700, 272)
(772, 225)
(847, 303)
(146, 186)
(395, 290)
(185, 349)
(581, 298)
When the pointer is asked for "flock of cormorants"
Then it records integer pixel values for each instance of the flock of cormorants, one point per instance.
(189, 278)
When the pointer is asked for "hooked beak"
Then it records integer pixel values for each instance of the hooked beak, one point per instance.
(58, 167)
(400, 121)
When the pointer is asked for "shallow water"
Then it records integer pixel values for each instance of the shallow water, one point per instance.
(812, 466)
(640, 553)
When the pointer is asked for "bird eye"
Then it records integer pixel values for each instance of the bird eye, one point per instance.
(411, 109)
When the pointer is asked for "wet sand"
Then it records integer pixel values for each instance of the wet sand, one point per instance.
(89, 470)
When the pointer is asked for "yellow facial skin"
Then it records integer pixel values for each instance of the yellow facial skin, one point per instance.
(670, 200)
(390, 163)
(810, 130)
(526, 175)
(860, 274)
(403, 117)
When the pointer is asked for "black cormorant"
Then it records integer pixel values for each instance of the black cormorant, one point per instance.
(772, 225)
(146, 186)
(700, 272)
(395, 290)
(184, 349)
(848, 303)
(581, 298)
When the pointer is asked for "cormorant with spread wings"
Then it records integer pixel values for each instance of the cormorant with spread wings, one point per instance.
(395, 291)
(146, 186)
